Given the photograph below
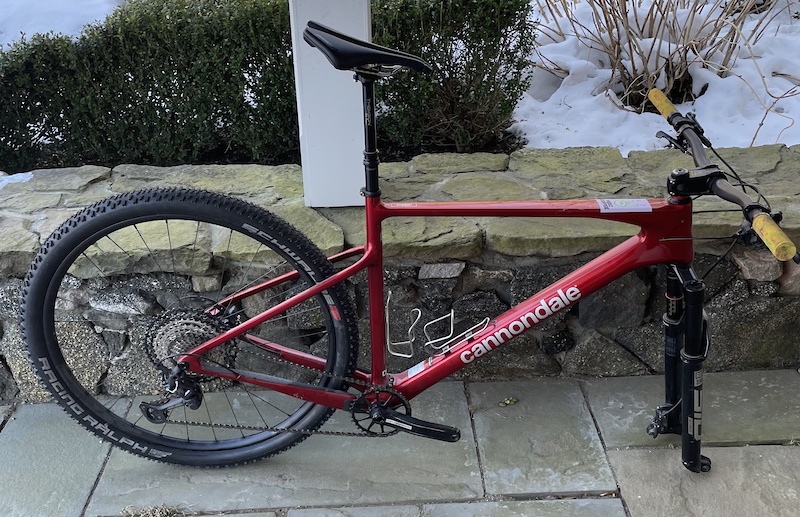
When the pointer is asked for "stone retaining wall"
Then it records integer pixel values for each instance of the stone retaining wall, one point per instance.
(479, 267)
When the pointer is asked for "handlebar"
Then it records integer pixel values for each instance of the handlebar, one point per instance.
(765, 227)
(776, 240)
(684, 126)
(662, 104)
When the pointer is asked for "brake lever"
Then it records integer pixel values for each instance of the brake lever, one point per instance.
(672, 140)
(746, 234)
(699, 129)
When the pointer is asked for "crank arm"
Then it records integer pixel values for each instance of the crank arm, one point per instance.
(415, 426)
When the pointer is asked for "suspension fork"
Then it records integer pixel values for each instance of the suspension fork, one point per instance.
(695, 349)
(668, 415)
(686, 342)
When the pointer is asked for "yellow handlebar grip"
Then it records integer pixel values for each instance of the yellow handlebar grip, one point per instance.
(662, 104)
(775, 239)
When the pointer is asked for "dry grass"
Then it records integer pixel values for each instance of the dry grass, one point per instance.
(653, 45)
(154, 511)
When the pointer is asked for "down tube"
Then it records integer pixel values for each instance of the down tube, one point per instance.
(563, 294)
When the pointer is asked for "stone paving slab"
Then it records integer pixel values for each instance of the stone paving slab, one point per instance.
(49, 463)
(738, 407)
(750, 481)
(561, 508)
(557, 508)
(544, 443)
(322, 471)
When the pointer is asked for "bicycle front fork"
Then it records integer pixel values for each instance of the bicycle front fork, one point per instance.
(686, 343)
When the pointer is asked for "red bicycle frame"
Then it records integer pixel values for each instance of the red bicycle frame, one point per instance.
(664, 237)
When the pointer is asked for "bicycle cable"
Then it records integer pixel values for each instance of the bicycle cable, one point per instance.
(738, 182)
(266, 427)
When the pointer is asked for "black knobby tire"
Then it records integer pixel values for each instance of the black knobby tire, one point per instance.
(125, 284)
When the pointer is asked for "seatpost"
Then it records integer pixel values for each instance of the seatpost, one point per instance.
(371, 160)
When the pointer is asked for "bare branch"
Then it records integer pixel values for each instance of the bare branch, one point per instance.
(656, 44)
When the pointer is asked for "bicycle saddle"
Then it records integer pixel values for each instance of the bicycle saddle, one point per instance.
(348, 53)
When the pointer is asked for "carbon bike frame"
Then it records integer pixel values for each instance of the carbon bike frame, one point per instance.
(664, 237)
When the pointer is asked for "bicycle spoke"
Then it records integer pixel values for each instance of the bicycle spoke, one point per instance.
(131, 295)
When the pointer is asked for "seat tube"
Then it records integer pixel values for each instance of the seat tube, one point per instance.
(377, 322)
(372, 193)
(695, 349)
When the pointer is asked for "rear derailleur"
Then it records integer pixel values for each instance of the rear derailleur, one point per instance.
(182, 390)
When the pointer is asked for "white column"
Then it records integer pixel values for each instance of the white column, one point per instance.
(329, 105)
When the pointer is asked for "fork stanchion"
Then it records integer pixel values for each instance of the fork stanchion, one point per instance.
(673, 343)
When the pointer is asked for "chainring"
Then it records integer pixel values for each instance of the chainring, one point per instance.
(362, 411)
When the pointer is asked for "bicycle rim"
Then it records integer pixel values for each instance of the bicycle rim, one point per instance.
(123, 288)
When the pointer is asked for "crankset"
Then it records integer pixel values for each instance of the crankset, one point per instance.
(384, 412)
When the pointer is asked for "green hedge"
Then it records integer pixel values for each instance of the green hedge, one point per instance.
(35, 84)
(158, 82)
(479, 51)
(194, 81)
(190, 81)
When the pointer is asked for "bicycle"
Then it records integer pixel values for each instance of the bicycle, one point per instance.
(249, 336)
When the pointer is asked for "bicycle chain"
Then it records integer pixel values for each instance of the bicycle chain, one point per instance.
(309, 432)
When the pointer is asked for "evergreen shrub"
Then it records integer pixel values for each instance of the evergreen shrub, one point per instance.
(479, 51)
(158, 82)
(164, 82)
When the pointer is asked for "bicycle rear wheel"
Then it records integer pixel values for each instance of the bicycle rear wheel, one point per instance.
(120, 290)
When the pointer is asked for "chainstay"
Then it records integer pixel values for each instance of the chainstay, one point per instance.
(308, 432)
(278, 360)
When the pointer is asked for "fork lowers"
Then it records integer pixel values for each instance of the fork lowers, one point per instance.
(695, 350)
(686, 342)
(667, 419)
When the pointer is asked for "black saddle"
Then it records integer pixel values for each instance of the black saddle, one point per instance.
(348, 53)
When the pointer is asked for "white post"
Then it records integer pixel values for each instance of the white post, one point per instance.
(329, 105)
